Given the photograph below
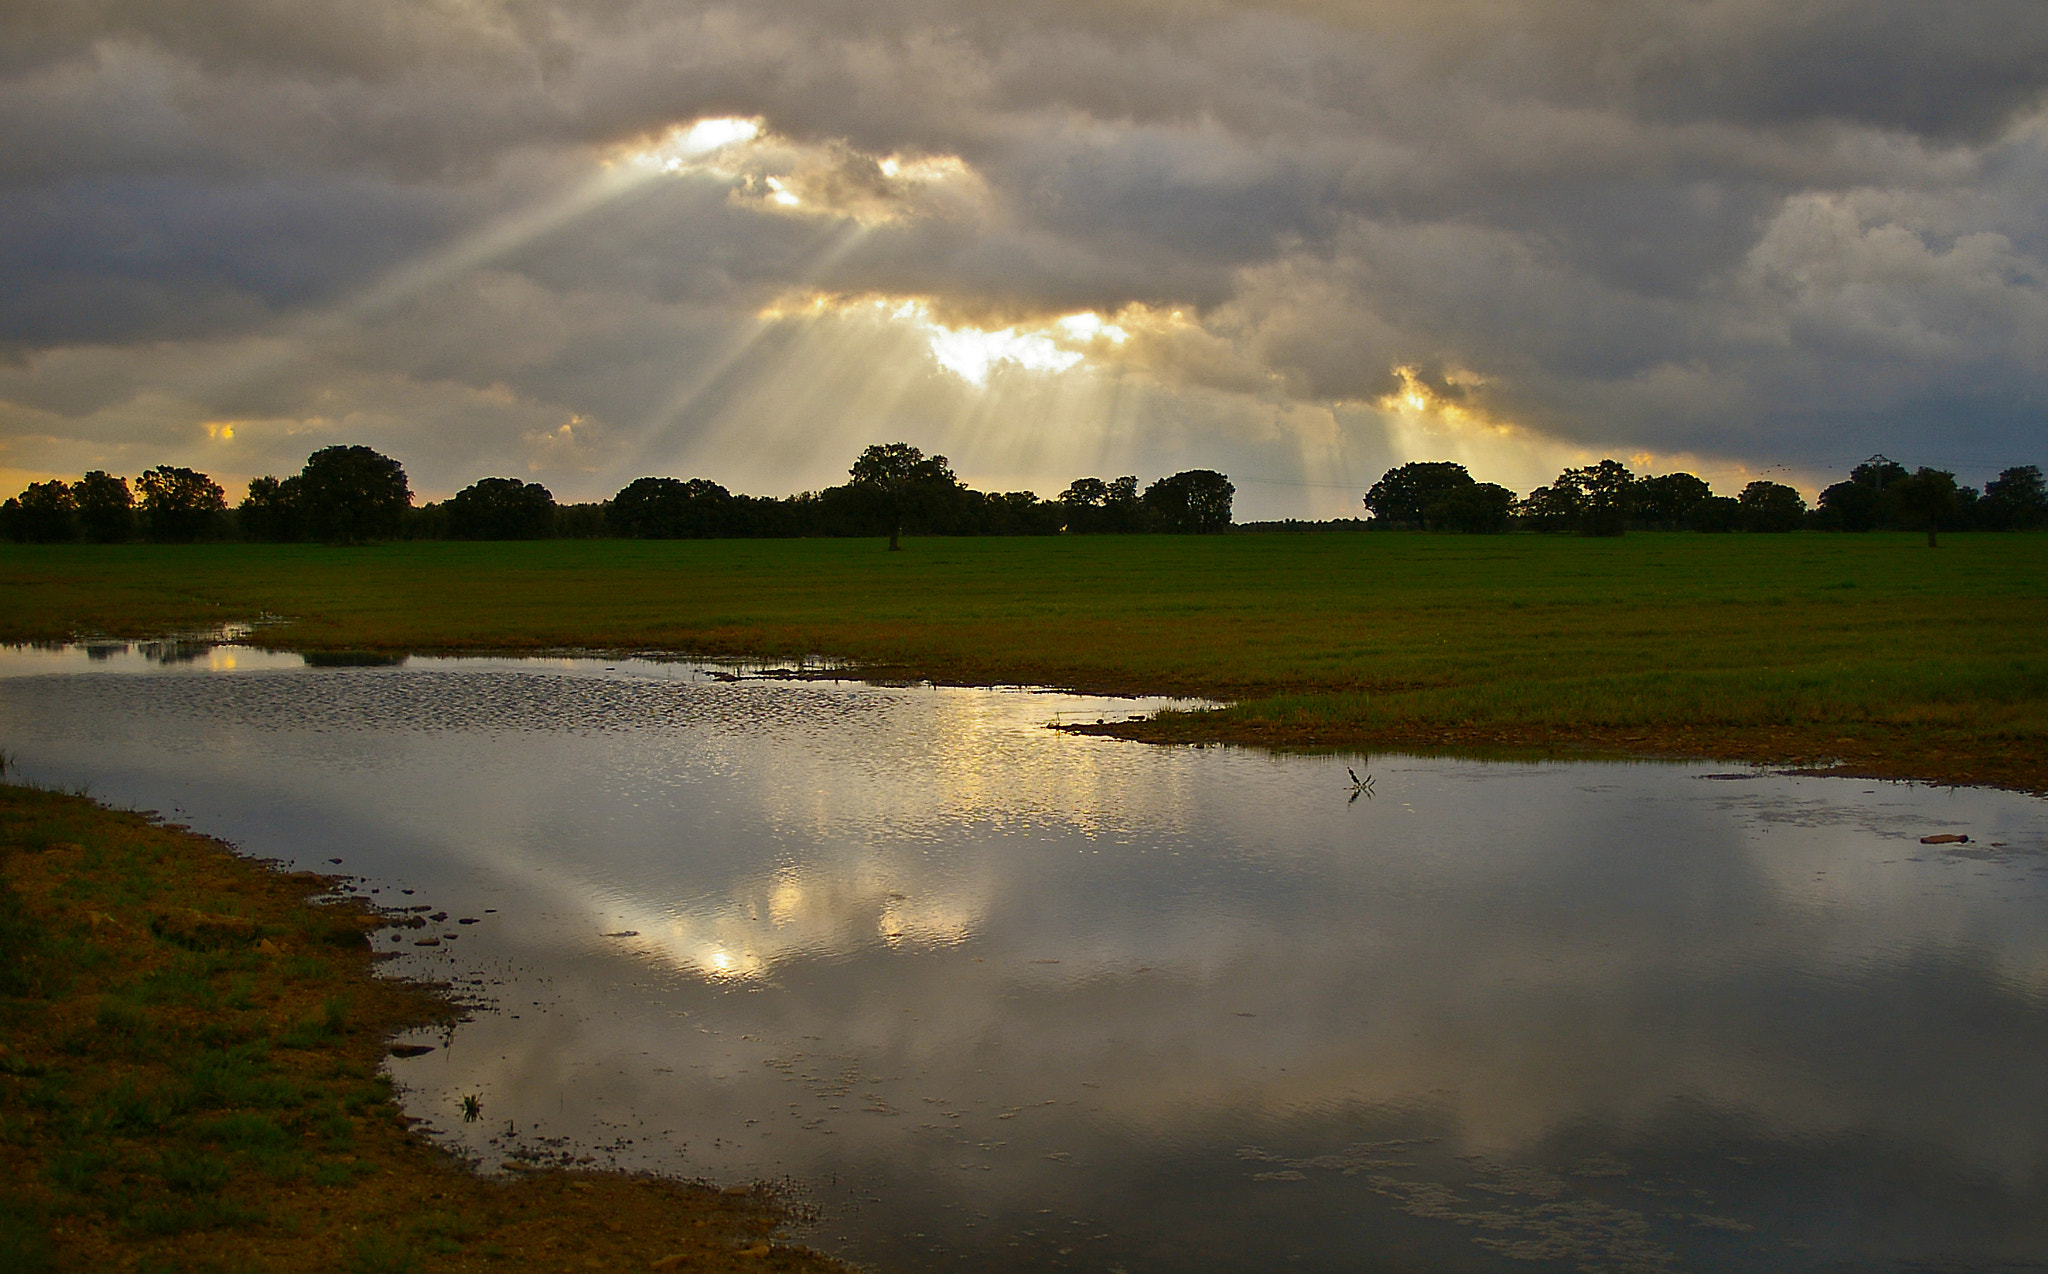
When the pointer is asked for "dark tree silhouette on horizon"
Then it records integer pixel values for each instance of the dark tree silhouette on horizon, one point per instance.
(501, 509)
(106, 508)
(1191, 502)
(352, 495)
(180, 505)
(1403, 496)
(901, 478)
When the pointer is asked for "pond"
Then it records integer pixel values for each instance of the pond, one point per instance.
(987, 995)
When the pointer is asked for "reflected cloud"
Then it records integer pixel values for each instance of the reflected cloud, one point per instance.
(909, 941)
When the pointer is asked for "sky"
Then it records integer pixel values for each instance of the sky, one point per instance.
(1299, 242)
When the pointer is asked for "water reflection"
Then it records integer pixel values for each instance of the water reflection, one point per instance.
(995, 996)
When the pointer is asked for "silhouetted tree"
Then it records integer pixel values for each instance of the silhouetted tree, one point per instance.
(352, 495)
(1480, 508)
(1851, 506)
(44, 513)
(1926, 501)
(1879, 472)
(1663, 502)
(270, 511)
(901, 481)
(1082, 504)
(650, 509)
(180, 505)
(1402, 497)
(1606, 495)
(1193, 501)
(1771, 506)
(1551, 509)
(106, 508)
(1012, 513)
(1092, 506)
(1716, 513)
(2016, 500)
(501, 509)
(585, 521)
(1860, 504)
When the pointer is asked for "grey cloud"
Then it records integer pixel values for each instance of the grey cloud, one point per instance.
(1722, 226)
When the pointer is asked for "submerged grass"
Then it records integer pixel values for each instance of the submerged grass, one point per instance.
(1871, 648)
(189, 1081)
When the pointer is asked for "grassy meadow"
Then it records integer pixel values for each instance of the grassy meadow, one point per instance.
(1868, 649)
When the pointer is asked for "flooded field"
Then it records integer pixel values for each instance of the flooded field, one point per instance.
(986, 995)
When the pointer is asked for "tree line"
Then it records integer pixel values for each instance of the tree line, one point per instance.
(1608, 499)
(354, 495)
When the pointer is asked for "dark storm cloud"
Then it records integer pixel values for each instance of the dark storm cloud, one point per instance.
(1727, 226)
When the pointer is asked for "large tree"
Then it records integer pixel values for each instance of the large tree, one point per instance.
(501, 509)
(352, 495)
(1401, 499)
(44, 513)
(1606, 494)
(180, 505)
(1862, 503)
(106, 508)
(903, 481)
(1771, 506)
(1191, 502)
(1663, 502)
(1483, 508)
(1092, 505)
(2016, 500)
(270, 511)
(1926, 501)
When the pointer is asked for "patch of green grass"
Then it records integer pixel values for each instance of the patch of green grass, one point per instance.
(1398, 634)
(222, 1078)
(77, 1169)
(381, 1254)
(189, 1173)
(243, 1130)
(24, 1238)
(186, 1215)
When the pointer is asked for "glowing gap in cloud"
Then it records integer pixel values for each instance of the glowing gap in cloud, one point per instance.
(828, 179)
(970, 352)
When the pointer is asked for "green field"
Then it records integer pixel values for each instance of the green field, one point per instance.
(1869, 648)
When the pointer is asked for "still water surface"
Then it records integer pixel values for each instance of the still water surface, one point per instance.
(990, 996)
